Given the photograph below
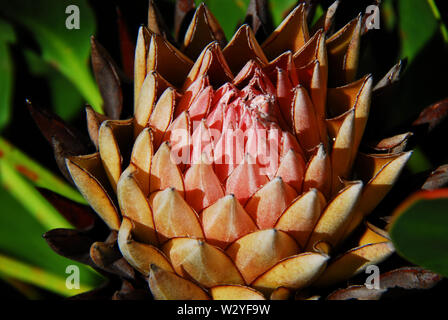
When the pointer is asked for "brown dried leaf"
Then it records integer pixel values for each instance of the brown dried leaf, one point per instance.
(121, 268)
(127, 46)
(409, 278)
(72, 244)
(51, 126)
(183, 13)
(395, 144)
(259, 18)
(326, 21)
(391, 77)
(437, 179)
(104, 254)
(107, 78)
(60, 153)
(65, 140)
(80, 216)
(433, 115)
(358, 292)
(156, 24)
(107, 257)
(129, 292)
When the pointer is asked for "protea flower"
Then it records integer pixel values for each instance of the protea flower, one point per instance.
(239, 175)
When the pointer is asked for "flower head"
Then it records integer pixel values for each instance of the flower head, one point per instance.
(239, 174)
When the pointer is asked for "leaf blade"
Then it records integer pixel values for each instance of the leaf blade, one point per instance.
(36, 204)
(39, 175)
(39, 277)
(7, 36)
(21, 239)
(419, 230)
(66, 49)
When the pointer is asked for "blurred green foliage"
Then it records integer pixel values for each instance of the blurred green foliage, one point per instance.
(7, 36)
(25, 216)
(66, 100)
(231, 13)
(418, 162)
(30, 198)
(412, 16)
(62, 58)
(64, 51)
(36, 173)
(420, 233)
(21, 240)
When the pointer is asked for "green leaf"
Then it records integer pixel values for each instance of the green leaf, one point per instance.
(21, 239)
(419, 230)
(388, 15)
(317, 14)
(31, 199)
(37, 174)
(65, 49)
(66, 99)
(67, 102)
(437, 15)
(419, 162)
(280, 9)
(39, 277)
(228, 13)
(7, 36)
(417, 26)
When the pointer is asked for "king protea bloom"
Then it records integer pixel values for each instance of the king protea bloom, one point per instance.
(239, 175)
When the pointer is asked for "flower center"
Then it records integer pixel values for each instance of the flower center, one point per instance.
(239, 131)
